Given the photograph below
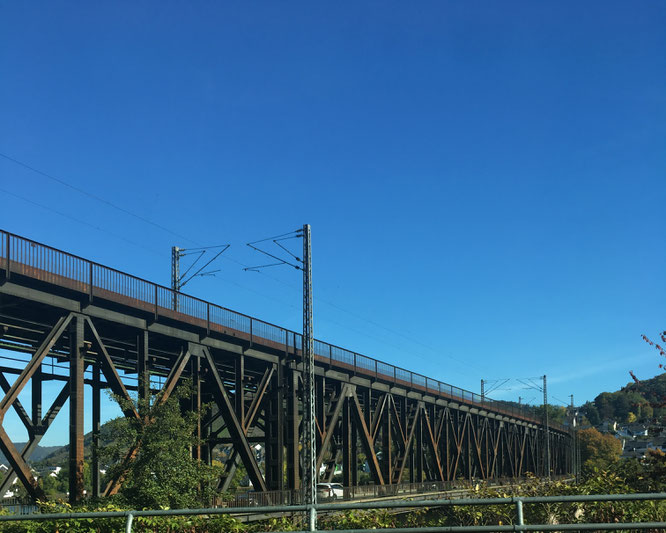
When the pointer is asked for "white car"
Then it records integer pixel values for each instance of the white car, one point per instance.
(330, 491)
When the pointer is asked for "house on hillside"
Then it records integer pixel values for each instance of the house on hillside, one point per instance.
(607, 426)
(53, 471)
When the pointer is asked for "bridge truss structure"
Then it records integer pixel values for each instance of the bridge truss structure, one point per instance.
(89, 328)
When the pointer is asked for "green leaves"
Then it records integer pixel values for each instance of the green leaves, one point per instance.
(164, 473)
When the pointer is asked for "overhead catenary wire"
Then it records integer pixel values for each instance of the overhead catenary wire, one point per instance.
(94, 196)
(291, 234)
(198, 272)
(81, 221)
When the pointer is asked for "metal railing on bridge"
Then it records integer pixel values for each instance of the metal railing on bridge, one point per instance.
(24, 257)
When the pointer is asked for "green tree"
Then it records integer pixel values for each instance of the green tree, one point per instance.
(164, 473)
(598, 451)
(591, 412)
(604, 405)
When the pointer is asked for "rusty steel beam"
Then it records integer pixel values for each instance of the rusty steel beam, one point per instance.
(409, 442)
(34, 364)
(330, 426)
(111, 374)
(398, 423)
(76, 368)
(96, 424)
(258, 398)
(366, 440)
(375, 424)
(143, 365)
(293, 429)
(239, 386)
(15, 459)
(233, 425)
(18, 407)
(432, 443)
(476, 441)
(113, 485)
(43, 426)
(234, 459)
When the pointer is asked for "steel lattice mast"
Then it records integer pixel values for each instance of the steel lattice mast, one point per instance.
(309, 445)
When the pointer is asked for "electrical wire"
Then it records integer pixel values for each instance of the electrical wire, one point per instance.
(291, 234)
(95, 197)
(84, 222)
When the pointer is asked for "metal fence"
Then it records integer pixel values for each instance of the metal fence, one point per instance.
(365, 492)
(24, 257)
(18, 506)
(517, 502)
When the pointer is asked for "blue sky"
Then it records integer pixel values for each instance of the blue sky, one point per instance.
(484, 180)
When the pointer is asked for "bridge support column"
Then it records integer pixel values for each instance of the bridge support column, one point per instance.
(274, 423)
(76, 367)
(348, 447)
(143, 365)
(293, 440)
(96, 419)
(387, 444)
(239, 387)
(419, 451)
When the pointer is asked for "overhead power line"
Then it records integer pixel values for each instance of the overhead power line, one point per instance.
(94, 196)
(80, 221)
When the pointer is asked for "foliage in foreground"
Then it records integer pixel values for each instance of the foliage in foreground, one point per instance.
(622, 478)
(166, 437)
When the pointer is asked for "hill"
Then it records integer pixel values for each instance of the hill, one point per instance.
(644, 401)
(60, 455)
(44, 456)
(39, 454)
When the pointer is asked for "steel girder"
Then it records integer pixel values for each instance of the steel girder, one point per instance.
(393, 435)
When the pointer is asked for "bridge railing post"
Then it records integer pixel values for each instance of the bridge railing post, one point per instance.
(90, 281)
(9, 257)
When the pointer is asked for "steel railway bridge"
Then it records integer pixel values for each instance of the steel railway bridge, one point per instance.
(90, 327)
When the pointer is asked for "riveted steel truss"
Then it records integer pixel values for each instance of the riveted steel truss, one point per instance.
(373, 423)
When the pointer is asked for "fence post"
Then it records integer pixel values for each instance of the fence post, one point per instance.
(90, 281)
(9, 258)
(208, 318)
(128, 523)
(519, 513)
(156, 303)
(313, 518)
(376, 371)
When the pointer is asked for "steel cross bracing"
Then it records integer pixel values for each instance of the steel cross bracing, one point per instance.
(91, 328)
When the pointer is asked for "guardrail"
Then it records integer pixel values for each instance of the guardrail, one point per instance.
(21, 256)
(369, 491)
(518, 502)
